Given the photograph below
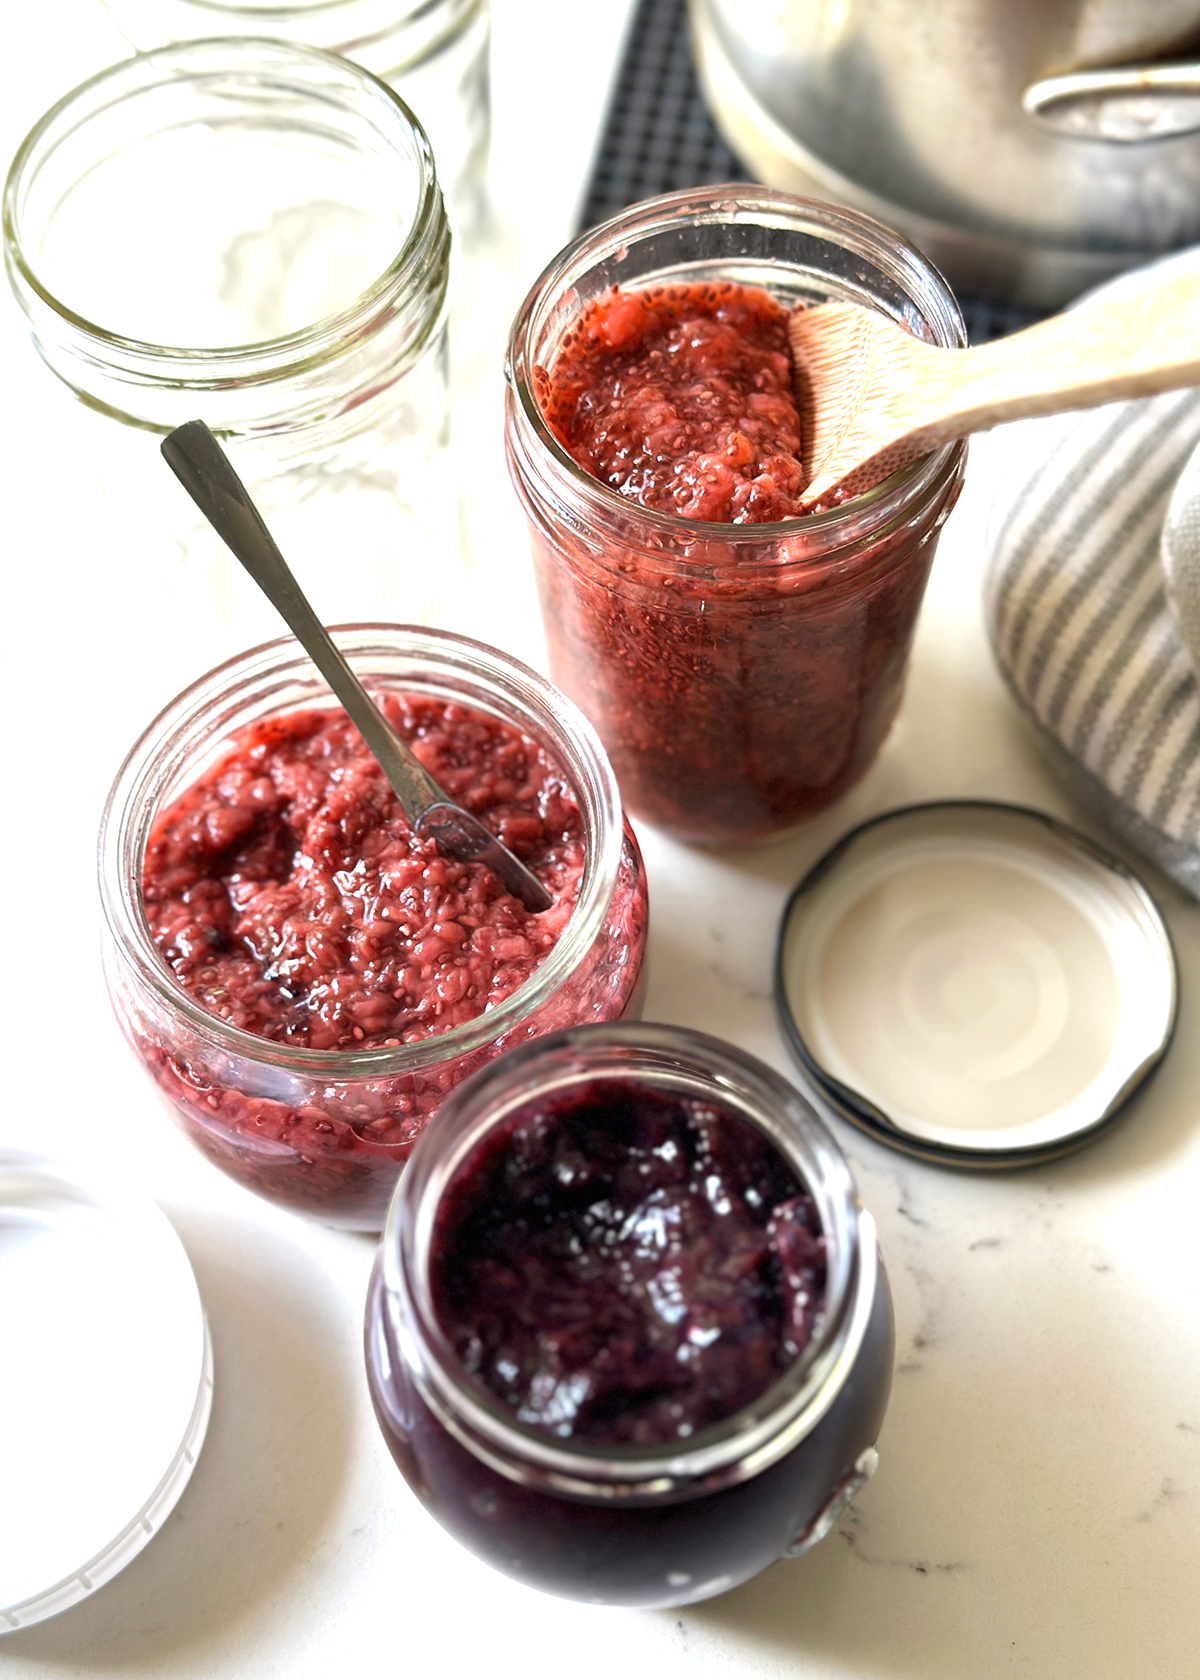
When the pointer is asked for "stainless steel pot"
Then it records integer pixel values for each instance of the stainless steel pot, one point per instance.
(1029, 147)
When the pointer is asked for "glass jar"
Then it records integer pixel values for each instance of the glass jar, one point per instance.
(433, 52)
(327, 1132)
(636, 1525)
(252, 234)
(740, 676)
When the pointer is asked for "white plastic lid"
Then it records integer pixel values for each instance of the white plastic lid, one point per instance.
(106, 1385)
(975, 983)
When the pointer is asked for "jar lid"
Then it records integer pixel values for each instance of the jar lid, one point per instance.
(107, 1385)
(975, 983)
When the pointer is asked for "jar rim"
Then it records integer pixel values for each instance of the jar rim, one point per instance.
(864, 514)
(302, 8)
(273, 10)
(149, 775)
(669, 1058)
(263, 360)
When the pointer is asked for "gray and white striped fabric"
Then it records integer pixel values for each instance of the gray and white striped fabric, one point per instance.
(1080, 620)
(1180, 555)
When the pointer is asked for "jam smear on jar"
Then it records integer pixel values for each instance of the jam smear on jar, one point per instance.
(626, 1266)
(680, 397)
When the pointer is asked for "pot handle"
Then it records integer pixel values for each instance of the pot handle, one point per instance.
(1128, 105)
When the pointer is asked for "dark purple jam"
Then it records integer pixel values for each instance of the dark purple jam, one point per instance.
(626, 1266)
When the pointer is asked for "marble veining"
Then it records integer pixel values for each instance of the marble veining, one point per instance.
(853, 1530)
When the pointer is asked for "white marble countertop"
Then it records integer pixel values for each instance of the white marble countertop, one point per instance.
(1037, 1508)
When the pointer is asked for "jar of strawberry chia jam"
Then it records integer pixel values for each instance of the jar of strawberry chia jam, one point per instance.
(628, 1336)
(302, 980)
(743, 665)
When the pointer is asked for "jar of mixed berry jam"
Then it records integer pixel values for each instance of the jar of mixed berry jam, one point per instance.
(303, 980)
(741, 663)
(628, 1336)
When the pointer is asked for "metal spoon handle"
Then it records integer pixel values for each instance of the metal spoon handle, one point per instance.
(205, 471)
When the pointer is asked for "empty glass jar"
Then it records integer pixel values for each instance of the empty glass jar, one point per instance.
(433, 52)
(252, 234)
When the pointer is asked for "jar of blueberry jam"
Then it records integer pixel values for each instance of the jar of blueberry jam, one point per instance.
(628, 1336)
(305, 980)
(743, 663)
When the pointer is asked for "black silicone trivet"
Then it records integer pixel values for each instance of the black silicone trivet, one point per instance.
(658, 136)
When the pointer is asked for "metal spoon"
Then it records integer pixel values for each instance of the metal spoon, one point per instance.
(204, 470)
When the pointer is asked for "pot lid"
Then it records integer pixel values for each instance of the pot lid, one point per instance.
(107, 1382)
(975, 983)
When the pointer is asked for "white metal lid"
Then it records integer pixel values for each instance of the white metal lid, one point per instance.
(975, 983)
(106, 1385)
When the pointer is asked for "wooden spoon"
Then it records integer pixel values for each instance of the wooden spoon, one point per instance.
(873, 398)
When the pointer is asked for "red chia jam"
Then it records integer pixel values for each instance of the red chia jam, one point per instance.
(681, 399)
(626, 1268)
(742, 673)
(287, 895)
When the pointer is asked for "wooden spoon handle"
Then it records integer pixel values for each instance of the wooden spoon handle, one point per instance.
(1121, 347)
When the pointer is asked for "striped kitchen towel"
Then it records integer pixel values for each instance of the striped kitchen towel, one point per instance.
(1081, 621)
(1181, 557)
